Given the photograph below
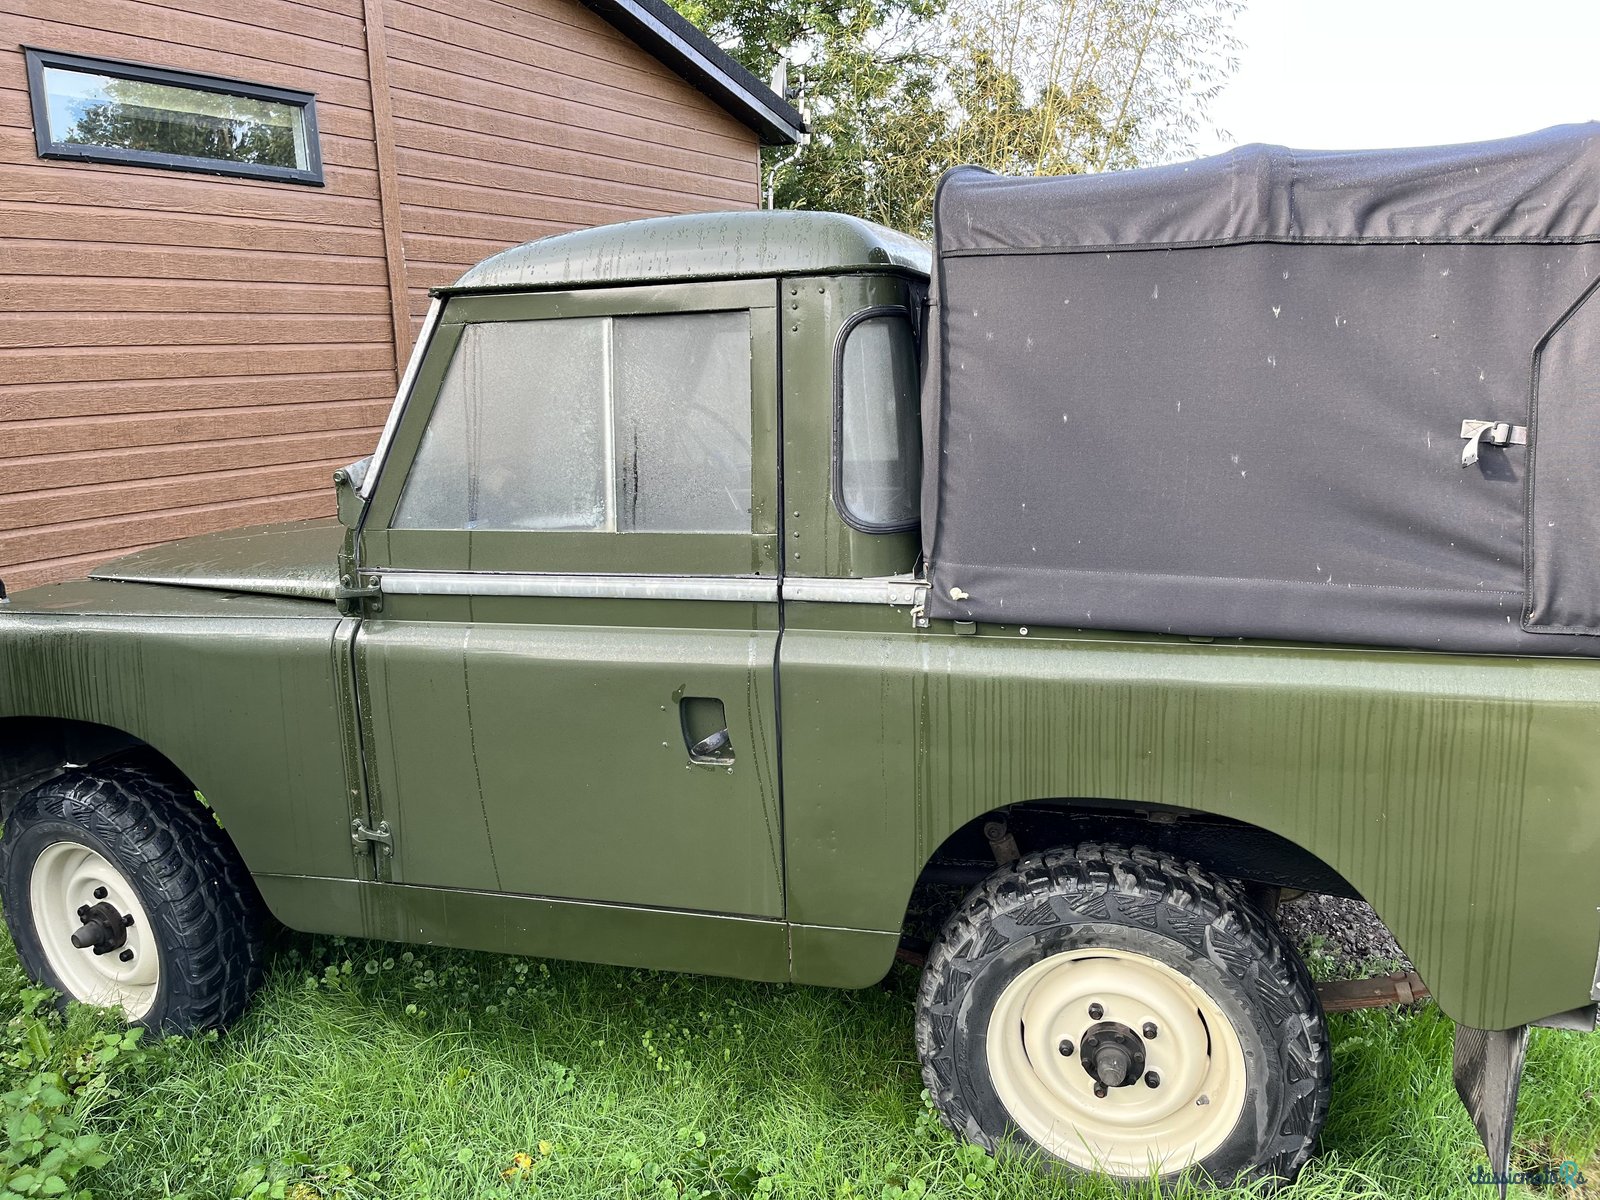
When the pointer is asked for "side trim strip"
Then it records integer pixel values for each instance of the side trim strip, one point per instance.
(902, 591)
(749, 589)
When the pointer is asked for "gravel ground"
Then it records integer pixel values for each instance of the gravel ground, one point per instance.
(1349, 929)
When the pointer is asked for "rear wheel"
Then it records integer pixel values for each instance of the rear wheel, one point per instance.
(1126, 1014)
(121, 892)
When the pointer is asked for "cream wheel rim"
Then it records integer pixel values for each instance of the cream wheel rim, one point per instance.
(1159, 1123)
(67, 878)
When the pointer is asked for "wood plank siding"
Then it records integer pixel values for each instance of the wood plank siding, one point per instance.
(181, 353)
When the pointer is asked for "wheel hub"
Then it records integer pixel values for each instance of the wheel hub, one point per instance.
(1114, 1061)
(1112, 1053)
(93, 929)
(104, 929)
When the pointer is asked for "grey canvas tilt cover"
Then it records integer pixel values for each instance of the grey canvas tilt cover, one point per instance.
(1226, 397)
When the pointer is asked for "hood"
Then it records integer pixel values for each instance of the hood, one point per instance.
(298, 559)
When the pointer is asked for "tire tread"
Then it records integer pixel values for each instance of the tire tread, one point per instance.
(210, 916)
(1156, 892)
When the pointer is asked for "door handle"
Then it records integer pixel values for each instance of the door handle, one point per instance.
(705, 730)
(716, 748)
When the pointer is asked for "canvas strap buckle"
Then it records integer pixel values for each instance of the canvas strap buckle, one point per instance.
(1489, 433)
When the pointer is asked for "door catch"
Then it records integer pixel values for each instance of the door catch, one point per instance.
(362, 836)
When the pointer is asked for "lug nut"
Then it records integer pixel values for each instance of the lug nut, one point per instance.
(1100, 1091)
(1066, 1047)
(127, 956)
(1150, 1031)
(84, 913)
(100, 893)
(1096, 1012)
(1152, 1079)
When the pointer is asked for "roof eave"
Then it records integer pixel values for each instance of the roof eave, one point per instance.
(676, 41)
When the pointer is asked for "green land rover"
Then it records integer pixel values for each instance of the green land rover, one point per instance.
(767, 594)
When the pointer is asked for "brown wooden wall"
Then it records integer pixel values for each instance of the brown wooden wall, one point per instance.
(181, 353)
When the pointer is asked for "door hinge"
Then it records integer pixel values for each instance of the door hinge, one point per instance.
(350, 598)
(361, 835)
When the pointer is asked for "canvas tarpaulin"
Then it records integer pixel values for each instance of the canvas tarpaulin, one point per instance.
(1226, 398)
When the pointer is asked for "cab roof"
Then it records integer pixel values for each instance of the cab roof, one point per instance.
(724, 245)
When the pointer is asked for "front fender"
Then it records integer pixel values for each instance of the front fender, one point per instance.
(240, 693)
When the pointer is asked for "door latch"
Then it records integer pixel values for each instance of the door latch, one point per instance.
(382, 836)
(1489, 433)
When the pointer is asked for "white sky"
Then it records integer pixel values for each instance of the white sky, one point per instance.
(1368, 74)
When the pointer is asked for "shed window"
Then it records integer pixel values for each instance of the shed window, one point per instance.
(99, 110)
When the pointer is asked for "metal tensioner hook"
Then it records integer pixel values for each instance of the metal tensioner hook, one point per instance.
(1491, 433)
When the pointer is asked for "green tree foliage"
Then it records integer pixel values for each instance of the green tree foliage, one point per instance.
(900, 90)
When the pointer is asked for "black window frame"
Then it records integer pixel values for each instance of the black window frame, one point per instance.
(837, 467)
(39, 59)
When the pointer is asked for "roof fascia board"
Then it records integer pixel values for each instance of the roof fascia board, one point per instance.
(690, 51)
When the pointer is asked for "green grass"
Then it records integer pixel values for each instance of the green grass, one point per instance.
(365, 1070)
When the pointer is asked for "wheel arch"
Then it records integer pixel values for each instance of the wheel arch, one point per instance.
(1224, 845)
(34, 750)
(1259, 858)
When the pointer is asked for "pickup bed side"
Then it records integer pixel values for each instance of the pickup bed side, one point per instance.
(1454, 793)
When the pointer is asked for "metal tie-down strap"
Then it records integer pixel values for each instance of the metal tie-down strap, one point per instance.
(1489, 433)
(1488, 1075)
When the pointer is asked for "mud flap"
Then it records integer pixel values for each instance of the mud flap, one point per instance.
(1488, 1074)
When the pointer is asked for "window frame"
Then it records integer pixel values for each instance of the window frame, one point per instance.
(836, 473)
(585, 552)
(39, 59)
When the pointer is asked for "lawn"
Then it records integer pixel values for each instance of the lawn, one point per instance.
(366, 1070)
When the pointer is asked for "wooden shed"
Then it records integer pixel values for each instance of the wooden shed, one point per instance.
(219, 220)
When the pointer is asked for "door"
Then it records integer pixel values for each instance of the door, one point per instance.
(567, 690)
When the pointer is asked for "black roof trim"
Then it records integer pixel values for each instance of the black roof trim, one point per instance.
(677, 42)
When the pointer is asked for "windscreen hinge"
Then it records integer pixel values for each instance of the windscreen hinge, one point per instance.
(382, 836)
(1489, 433)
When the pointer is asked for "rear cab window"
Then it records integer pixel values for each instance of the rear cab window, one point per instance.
(877, 428)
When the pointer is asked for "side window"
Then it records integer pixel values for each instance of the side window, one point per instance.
(878, 459)
(103, 110)
(600, 424)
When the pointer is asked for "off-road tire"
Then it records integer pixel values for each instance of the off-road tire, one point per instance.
(1150, 904)
(206, 916)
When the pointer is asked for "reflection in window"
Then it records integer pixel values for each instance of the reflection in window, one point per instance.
(622, 424)
(111, 112)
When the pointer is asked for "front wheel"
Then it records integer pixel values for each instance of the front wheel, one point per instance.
(121, 892)
(1125, 1014)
